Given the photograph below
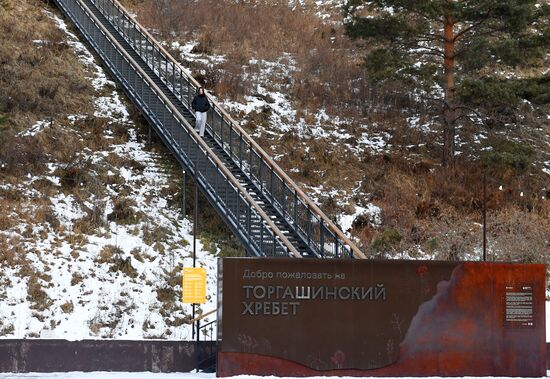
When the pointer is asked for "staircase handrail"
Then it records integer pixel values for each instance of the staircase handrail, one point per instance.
(196, 136)
(257, 148)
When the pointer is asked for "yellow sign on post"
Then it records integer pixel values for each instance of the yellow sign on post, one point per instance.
(194, 285)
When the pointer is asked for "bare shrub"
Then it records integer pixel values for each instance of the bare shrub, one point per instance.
(123, 211)
(7, 256)
(20, 155)
(137, 254)
(7, 221)
(74, 174)
(166, 294)
(400, 195)
(113, 256)
(153, 234)
(94, 218)
(37, 296)
(455, 238)
(45, 215)
(76, 278)
(518, 236)
(123, 265)
(108, 254)
(67, 307)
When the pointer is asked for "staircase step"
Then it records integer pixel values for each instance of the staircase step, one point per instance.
(253, 187)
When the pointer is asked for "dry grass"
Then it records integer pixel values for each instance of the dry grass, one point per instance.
(108, 253)
(76, 278)
(37, 79)
(124, 212)
(123, 265)
(325, 59)
(440, 212)
(36, 295)
(515, 235)
(6, 329)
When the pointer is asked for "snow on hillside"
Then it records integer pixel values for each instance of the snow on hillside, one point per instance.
(283, 117)
(270, 96)
(121, 280)
(325, 9)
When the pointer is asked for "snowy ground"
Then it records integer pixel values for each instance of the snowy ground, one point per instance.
(118, 280)
(99, 296)
(270, 94)
(148, 375)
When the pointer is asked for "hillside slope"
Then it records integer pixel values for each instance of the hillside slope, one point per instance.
(369, 155)
(92, 238)
(91, 232)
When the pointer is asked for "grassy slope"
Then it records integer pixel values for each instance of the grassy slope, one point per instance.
(427, 210)
(80, 254)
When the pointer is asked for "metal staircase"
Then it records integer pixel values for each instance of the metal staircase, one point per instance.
(260, 203)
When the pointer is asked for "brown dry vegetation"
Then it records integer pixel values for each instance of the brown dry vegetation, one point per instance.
(39, 75)
(326, 68)
(423, 206)
(444, 216)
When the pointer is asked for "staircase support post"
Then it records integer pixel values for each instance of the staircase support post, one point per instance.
(195, 227)
(197, 347)
(184, 202)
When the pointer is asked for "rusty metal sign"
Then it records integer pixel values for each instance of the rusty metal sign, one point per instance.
(350, 317)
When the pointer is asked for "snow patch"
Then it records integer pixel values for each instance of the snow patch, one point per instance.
(371, 212)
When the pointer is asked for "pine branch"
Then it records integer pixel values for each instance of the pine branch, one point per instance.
(422, 14)
(431, 37)
(471, 27)
(462, 115)
(429, 51)
(492, 32)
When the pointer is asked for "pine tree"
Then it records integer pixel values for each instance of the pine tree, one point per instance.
(458, 52)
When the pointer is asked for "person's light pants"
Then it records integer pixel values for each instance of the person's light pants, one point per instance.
(200, 122)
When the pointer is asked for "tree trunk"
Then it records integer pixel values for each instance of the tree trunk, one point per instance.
(449, 115)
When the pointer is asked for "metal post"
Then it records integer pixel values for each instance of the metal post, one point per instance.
(195, 221)
(484, 216)
(271, 192)
(296, 208)
(308, 226)
(260, 175)
(322, 237)
(183, 202)
(221, 130)
(188, 93)
(197, 346)
(241, 151)
(283, 199)
(231, 142)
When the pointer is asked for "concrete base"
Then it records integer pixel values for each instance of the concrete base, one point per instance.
(63, 356)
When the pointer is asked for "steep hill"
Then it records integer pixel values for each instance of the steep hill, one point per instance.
(92, 237)
(91, 230)
(368, 154)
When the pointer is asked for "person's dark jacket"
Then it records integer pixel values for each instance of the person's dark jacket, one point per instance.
(200, 103)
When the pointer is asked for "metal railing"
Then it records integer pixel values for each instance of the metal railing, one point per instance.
(304, 216)
(206, 359)
(239, 208)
